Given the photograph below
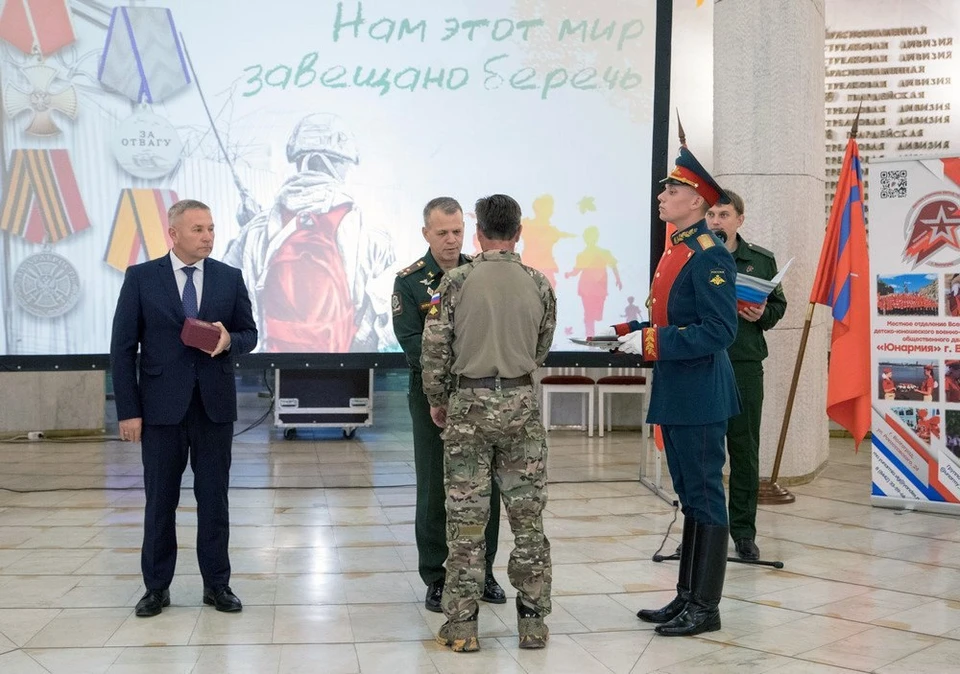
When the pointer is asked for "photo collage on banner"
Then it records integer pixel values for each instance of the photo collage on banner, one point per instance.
(891, 64)
(914, 239)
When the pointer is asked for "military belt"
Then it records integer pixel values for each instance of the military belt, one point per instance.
(496, 383)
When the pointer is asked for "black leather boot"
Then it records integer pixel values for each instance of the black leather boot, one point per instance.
(702, 612)
(687, 550)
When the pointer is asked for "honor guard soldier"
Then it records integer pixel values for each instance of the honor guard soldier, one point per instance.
(693, 321)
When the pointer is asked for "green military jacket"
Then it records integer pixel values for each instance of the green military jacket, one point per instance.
(412, 290)
(750, 343)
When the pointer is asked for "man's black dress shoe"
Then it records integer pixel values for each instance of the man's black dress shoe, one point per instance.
(222, 599)
(434, 594)
(152, 602)
(747, 549)
(492, 592)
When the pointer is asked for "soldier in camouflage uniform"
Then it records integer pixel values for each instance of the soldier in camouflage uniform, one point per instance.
(493, 327)
(413, 289)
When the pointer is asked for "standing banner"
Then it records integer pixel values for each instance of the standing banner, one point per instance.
(915, 308)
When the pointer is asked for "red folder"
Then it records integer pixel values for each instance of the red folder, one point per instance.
(200, 334)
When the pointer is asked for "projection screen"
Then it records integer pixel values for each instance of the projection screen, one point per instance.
(316, 131)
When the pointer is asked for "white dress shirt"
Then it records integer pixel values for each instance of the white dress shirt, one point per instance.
(181, 276)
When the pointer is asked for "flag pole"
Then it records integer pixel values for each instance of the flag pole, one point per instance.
(772, 493)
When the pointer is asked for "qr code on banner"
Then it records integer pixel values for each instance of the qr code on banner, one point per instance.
(893, 184)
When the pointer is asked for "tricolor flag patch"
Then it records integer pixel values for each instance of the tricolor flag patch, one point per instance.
(434, 305)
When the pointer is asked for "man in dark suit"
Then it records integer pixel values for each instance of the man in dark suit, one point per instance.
(181, 402)
(693, 320)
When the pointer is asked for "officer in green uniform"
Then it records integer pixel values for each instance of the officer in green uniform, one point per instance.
(413, 290)
(746, 353)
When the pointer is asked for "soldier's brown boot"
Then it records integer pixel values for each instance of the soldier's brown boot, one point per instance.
(460, 636)
(533, 632)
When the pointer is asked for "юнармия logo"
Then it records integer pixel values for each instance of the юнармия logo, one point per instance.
(932, 231)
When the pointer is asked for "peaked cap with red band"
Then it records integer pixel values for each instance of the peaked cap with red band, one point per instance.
(688, 171)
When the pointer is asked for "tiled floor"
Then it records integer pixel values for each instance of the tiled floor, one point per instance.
(324, 560)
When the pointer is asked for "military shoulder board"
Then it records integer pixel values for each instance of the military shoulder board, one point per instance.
(419, 264)
(763, 251)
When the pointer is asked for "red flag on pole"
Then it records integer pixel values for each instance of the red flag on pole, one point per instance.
(842, 283)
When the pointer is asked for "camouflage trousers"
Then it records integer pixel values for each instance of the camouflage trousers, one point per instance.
(495, 435)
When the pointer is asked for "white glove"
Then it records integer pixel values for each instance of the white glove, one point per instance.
(632, 343)
(606, 331)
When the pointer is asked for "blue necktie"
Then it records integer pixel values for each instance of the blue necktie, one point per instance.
(190, 294)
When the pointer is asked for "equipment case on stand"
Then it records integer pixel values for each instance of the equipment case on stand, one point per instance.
(323, 399)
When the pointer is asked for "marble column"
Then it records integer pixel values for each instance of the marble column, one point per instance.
(768, 111)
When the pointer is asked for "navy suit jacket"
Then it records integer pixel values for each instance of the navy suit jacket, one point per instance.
(150, 316)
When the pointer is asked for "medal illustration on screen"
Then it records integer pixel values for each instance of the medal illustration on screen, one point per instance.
(146, 145)
(46, 285)
(42, 96)
(143, 60)
(41, 198)
(40, 27)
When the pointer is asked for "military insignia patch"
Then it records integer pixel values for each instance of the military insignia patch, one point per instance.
(434, 305)
(651, 344)
(718, 277)
(396, 304)
(706, 241)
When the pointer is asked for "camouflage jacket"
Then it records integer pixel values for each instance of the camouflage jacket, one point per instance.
(503, 340)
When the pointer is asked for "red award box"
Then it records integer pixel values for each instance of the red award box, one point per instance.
(200, 334)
